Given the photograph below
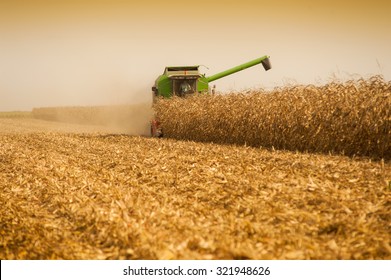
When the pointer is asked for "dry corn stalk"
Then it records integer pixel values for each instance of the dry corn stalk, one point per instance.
(352, 118)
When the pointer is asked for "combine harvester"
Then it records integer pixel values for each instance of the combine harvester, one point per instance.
(185, 80)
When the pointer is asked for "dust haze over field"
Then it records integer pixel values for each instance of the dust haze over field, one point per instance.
(129, 119)
(90, 53)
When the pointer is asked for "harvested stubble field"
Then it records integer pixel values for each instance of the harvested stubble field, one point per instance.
(71, 195)
(351, 118)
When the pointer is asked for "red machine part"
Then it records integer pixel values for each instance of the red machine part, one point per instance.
(156, 130)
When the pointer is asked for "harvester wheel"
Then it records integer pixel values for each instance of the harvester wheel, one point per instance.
(156, 130)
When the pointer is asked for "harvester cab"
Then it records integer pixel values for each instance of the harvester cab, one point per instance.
(178, 81)
(184, 80)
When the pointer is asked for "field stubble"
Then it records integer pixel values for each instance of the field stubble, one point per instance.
(103, 196)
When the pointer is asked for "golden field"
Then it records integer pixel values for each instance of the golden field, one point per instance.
(351, 118)
(75, 184)
(73, 192)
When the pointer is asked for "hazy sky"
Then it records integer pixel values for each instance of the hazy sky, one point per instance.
(55, 53)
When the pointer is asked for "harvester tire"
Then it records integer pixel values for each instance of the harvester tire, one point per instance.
(156, 131)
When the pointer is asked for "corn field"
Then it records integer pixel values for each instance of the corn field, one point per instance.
(352, 118)
(73, 187)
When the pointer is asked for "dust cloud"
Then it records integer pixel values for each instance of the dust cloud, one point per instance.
(131, 119)
(132, 115)
(124, 119)
(79, 80)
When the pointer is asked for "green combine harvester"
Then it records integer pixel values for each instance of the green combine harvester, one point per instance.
(184, 80)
